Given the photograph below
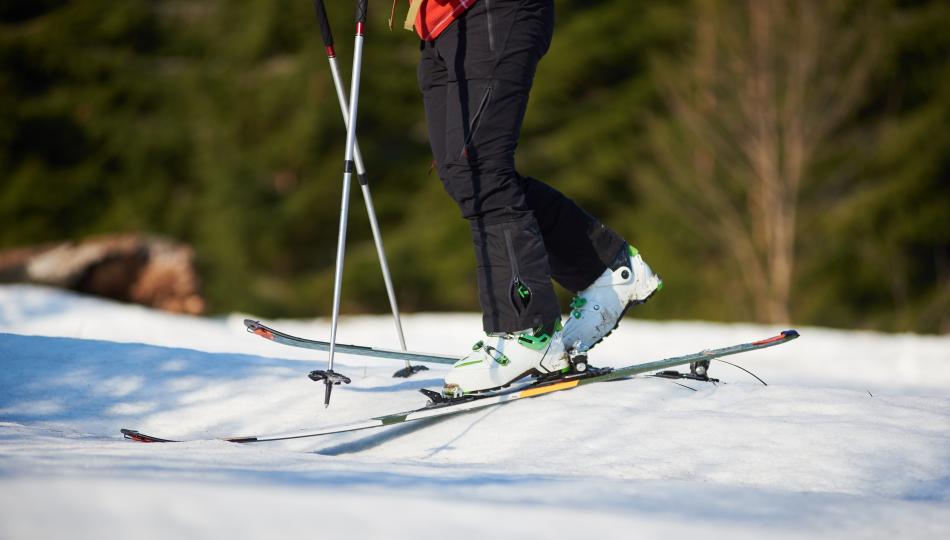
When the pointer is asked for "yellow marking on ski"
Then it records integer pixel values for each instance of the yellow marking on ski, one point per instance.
(551, 388)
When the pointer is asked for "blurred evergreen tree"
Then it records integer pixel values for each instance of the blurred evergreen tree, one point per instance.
(88, 141)
(884, 256)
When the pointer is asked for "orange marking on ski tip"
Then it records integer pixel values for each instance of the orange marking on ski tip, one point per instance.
(264, 333)
(769, 340)
(550, 388)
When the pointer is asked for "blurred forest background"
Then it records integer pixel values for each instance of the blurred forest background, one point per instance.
(777, 161)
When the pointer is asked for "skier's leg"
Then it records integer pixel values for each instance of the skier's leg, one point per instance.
(489, 71)
(579, 246)
(476, 82)
(586, 257)
(485, 93)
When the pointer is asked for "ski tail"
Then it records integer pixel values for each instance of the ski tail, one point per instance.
(138, 436)
(255, 327)
(141, 437)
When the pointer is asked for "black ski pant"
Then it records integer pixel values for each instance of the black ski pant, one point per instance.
(475, 79)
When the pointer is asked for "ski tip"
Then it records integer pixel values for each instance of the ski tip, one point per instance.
(786, 335)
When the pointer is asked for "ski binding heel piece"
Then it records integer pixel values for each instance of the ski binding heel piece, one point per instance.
(579, 363)
(699, 369)
(434, 397)
(673, 374)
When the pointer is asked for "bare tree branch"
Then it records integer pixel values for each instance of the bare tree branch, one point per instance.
(767, 84)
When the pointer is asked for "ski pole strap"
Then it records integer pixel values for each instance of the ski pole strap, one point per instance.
(414, 6)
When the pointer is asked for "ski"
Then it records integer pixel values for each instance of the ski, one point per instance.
(439, 407)
(255, 327)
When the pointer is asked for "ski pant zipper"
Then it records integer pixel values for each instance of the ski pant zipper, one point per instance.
(518, 287)
(473, 125)
(491, 31)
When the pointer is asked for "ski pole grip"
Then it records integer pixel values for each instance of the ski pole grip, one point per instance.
(361, 6)
(324, 22)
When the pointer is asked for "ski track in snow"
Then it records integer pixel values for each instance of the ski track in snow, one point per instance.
(851, 439)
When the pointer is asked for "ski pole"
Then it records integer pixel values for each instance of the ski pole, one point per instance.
(331, 377)
(327, 34)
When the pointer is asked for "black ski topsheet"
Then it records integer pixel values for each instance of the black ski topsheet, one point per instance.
(488, 399)
(255, 327)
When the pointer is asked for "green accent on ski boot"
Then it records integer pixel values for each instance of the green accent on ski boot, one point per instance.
(536, 341)
(500, 357)
(659, 285)
(632, 250)
(576, 304)
(478, 345)
(557, 325)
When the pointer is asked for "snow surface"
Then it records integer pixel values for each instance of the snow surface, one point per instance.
(850, 439)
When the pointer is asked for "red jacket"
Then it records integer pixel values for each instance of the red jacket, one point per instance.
(435, 15)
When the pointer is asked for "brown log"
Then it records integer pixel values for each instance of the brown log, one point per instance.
(142, 269)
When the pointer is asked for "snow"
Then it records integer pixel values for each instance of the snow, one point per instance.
(850, 439)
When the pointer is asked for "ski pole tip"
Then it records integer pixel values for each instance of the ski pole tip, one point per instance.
(326, 394)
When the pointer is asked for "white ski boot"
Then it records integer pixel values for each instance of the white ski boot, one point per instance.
(596, 311)
(500, 360)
